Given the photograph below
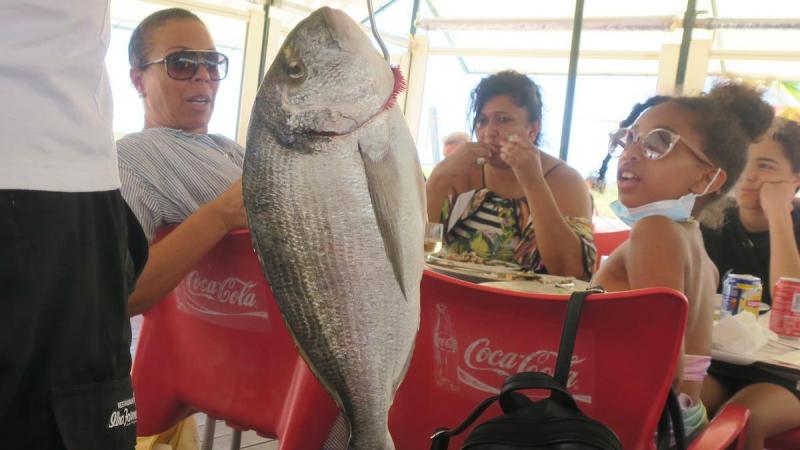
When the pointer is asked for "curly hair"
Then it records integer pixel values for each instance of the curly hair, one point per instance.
(728, 119)
(521, 89)
(787, 133)
(141, 38)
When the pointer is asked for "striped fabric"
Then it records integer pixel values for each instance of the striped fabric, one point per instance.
(167, 174)
(491, 226)
(486, 220)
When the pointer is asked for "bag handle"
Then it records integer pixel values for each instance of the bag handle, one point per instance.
(671, 414)
(569, 332)
(441, 436)
(532, 380)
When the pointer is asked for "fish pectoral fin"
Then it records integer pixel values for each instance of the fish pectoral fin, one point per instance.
(384, 191)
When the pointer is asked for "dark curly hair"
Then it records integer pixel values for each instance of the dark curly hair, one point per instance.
(597, 180)
(521, 89)
(139, 45)
(729, 118)
(787, 133)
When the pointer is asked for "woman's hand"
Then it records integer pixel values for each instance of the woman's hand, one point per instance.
(229, 207)
(456, 171)
(524, 159)
(776, 197)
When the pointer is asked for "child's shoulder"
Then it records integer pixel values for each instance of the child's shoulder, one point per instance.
(656, 224)
(658, 232)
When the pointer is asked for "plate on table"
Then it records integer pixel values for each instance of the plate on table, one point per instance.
(478, 265)
(543, 284)
(474, 272)
(733, 358)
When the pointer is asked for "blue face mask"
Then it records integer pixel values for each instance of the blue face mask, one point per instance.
(677, 210)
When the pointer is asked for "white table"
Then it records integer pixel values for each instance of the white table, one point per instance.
(768, 356)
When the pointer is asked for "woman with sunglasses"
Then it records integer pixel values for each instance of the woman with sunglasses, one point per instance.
(677, 158)
(759, 236)
(503, 198)
(174, 172)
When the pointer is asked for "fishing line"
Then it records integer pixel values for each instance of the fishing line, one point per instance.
(384, 50)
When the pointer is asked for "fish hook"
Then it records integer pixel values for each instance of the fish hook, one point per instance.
(384, 50)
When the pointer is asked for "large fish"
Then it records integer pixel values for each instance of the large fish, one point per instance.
(335, 200)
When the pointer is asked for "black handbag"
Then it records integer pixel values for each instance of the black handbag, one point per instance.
(553, 423)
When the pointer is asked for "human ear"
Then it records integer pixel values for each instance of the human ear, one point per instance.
(712, 181)
(795, 180)
(533, 131)
(137, 78)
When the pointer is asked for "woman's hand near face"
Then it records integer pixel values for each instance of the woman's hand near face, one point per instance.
(457, 169)
(523, 158)
(454, 175)
(776, 197)
(229, 207)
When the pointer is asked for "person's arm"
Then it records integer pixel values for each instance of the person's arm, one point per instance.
(549, 201)
(171, 258)
(657, 257)
(455, 174)
(784, 258)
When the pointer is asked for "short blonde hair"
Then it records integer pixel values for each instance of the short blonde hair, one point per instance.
(456, 137)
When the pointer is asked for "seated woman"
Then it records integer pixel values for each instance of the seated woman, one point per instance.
(502, 198)
(678, 157)
(174, 172)
(759, 237)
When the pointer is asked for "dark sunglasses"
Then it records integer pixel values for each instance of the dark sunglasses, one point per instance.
(183, 64)
(655, 145)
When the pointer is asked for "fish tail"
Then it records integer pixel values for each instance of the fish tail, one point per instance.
(376, 438)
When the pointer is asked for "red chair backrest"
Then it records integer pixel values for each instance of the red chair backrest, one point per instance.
(472, 337)
(788, 440)
(608, 241)
(218, 344)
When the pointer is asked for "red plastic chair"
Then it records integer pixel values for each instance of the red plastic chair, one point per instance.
(217, 344)
(607, 241)
(789, 440)
(472, 337)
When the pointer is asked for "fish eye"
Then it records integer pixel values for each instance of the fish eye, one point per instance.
(296, 69)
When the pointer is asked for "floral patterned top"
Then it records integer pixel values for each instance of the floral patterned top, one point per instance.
(491, 226)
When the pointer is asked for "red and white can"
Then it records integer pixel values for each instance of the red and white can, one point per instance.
(785, 316)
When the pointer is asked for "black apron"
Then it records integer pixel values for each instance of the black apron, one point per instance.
(67, 264)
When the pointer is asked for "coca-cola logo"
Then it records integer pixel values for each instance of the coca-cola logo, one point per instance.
(231, 296)
(233, 291)
(480, 356)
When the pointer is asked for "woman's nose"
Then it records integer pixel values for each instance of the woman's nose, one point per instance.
(750, 174)
(632, 151)
(491, 129)
(202, 73)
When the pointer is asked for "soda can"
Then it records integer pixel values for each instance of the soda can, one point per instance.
(740, 293)
(785, 316)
